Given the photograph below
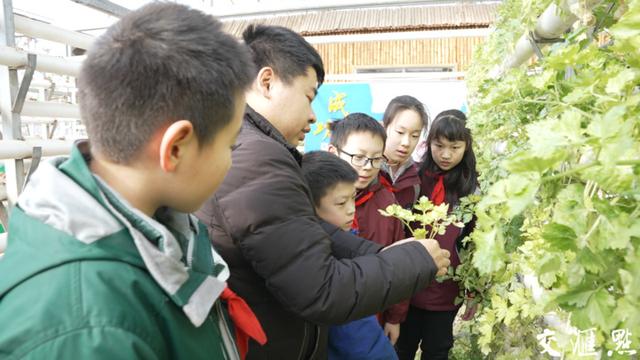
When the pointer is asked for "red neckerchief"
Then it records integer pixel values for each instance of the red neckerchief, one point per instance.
(386, 183)
(245, 322)
(438, 193)
(355, 227)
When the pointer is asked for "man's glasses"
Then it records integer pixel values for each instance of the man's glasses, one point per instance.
(361, 160)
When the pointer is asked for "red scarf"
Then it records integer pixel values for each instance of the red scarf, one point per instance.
(438, 193)
(355, 227)
(245, 322)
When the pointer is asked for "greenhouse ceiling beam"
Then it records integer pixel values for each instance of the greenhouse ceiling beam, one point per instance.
(105, 6)
(284, 7)
(551, 24)
(399, 35)
(42, 30)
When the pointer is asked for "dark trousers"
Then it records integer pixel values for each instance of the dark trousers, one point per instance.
(433, 330)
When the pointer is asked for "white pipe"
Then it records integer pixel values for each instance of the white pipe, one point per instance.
(21, 149)
(44, 121)
(39, 29)
(551, 24)
(45, 63)
(50, 110)
(523, 51)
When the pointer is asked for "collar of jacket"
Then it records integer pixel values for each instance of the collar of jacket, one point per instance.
(262, 124)
(373, 187)
(65, 195)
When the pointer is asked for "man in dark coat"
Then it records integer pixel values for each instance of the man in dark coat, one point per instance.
(296, 274)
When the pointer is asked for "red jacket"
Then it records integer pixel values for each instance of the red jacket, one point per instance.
(406, 186)
(379, 229)
(440, 296)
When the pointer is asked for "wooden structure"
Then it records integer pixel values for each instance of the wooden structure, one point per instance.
(433, 34)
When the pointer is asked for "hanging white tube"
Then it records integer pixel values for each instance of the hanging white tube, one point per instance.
(551, 24)
(45, 63)
(50, 110)
(21, 149)
(38, 29)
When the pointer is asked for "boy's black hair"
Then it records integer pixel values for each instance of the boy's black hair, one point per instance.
(462, 180)
(354, 123)
(323, 171)
(284, 50)
(161, 63)
(402, 103)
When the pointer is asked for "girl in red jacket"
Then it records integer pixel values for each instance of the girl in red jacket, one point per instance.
(404, 121)
(448, 173)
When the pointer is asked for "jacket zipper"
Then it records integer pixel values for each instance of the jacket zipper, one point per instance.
(317, 342)
(227, 339)
(304, 343)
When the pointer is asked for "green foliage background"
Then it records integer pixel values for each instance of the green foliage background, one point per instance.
(558, 147)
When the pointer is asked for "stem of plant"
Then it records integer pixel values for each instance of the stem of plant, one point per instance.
(580, 168)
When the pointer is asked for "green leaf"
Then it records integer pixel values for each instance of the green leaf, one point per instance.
(490, 255)
(545, 136)
(577, 297)
(626, 33)
(524, 161)
(516, 192)
(548, 269)
(570, 210)
(600, 308)
(591, 261)
(560, 237)
(625, 79)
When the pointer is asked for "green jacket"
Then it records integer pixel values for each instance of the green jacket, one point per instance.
(86, 276)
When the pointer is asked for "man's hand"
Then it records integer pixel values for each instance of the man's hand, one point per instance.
(392, 331)
(440, 256)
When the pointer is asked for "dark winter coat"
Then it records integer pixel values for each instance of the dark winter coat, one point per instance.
(296, 273)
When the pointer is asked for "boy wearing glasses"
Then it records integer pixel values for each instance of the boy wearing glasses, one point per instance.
(359, 139)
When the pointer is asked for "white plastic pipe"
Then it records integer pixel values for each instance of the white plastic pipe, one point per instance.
(39, 29)
(50, 110)
(21, 149)
(45, 63)
(551, 24)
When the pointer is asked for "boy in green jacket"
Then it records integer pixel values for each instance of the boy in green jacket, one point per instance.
(104, 260)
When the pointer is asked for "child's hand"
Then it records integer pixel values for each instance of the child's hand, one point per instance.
(392, 331)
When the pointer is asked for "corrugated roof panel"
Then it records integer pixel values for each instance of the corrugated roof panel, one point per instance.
(378, 20)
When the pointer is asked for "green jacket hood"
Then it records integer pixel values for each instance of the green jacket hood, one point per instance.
(68, 214)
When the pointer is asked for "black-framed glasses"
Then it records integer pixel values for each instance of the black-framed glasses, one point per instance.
(361, 160)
